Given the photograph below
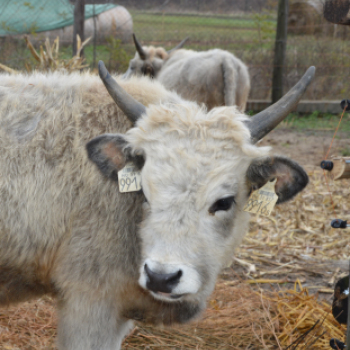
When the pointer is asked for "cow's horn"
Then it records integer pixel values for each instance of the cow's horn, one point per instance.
(139, 48)
(265, 121)
(179, 46)
(132, 108)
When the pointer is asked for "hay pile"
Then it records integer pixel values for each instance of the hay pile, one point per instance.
(29, 326)
(306, 17)
(240, 318)
(237, 318)
(304, 322)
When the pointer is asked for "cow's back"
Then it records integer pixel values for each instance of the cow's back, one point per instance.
(199, 76)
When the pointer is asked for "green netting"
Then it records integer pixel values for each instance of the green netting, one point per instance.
(20, 16)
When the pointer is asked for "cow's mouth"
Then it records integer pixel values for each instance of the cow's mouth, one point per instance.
(167, 296)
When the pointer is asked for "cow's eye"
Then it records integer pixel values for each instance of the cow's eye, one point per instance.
(222, 204)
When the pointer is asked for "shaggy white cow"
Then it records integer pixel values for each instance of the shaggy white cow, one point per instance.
(215, 77)
(112, 257)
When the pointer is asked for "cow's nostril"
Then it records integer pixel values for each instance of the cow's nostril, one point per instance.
(174, 277)
(159, 282)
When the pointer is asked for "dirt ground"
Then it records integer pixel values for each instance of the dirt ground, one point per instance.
(307, 147)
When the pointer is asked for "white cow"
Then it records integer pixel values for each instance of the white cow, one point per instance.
(215, 77)
(110, 257)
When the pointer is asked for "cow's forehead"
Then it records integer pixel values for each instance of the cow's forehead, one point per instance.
(194, 177)
(189, 128)
(188, 150)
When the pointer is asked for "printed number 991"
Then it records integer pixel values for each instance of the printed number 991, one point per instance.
(127, 182)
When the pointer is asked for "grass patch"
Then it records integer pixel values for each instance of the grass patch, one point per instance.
(192, 20)
(317, 121)
(345, 152)
(204, 32)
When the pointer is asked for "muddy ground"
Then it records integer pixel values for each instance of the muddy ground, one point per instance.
(307, 147)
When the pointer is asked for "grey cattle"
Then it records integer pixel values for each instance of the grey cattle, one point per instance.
(215, 77)
(110, 258)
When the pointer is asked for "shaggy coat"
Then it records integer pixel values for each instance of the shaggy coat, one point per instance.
(65, 228)
(215, 77)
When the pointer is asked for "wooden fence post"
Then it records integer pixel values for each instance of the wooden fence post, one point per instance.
(280, 50)
(79, 15)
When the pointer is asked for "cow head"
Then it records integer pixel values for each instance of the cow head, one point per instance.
(197, 170)
(149, 60)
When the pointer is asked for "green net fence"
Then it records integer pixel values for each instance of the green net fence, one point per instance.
(20, 16)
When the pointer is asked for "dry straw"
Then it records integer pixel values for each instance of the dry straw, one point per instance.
(237, 318)
(30, 326)
(304, 322)
(48, 58)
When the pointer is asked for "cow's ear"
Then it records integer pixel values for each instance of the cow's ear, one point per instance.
(110, 152)
(291, 177)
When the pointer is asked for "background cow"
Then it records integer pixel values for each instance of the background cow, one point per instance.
(215, 77)
(112, 257)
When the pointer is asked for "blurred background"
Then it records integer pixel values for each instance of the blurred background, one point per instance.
(247, 28)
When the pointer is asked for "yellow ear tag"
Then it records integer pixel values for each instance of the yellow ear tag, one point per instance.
(263, 200)
(129, 178)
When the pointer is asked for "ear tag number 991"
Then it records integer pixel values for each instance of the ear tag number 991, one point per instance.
(129, 179)
(263, 200)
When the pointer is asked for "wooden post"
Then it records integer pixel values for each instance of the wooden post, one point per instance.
(280, 50)
(340, 168)
(79, 14)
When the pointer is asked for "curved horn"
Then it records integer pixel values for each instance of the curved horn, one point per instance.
(265, 121)
(179, 46)
(132, 108)
(139, 48)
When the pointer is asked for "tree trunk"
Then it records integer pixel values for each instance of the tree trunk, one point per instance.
(79, 14)
(280, 50)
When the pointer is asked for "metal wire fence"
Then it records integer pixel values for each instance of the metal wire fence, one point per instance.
(244, 27)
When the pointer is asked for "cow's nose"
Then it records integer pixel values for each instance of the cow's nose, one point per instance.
(159, 282)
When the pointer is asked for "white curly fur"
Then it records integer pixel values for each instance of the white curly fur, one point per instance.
(66, 230)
